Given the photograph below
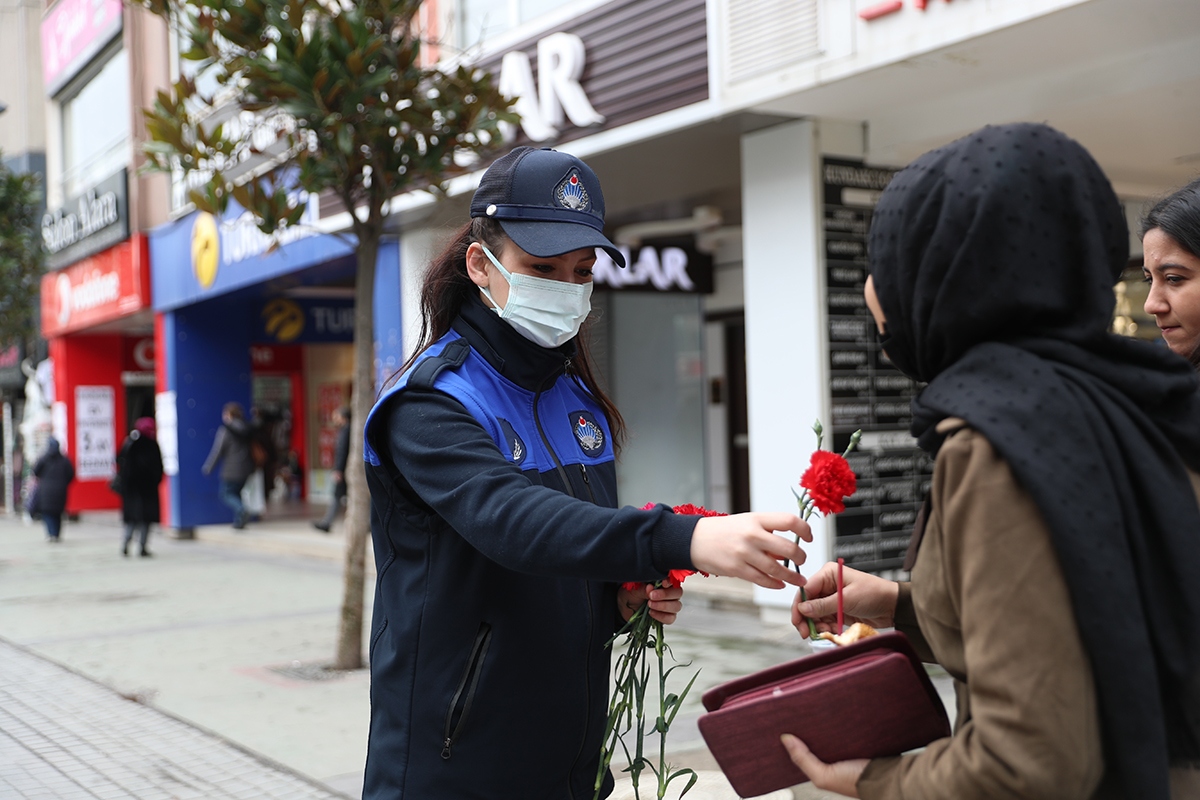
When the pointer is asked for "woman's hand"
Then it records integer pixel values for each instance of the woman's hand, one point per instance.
(664, 601)
(865, 598)
(745, 546)
(841, 777)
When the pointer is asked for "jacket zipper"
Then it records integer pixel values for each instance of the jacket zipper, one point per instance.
(587, 483)
(470, 674)
(537, 419)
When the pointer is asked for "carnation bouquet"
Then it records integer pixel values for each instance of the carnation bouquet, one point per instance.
(627, 712)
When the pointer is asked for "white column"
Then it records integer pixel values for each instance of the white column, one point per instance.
(785, 340)
(417, 249)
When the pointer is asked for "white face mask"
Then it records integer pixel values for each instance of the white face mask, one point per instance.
(544, 311)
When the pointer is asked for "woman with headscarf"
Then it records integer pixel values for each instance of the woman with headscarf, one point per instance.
(139, 471)
(1171, 245)
(1055, 576)
(54, 473)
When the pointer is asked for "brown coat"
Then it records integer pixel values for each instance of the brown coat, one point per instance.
(988, 602)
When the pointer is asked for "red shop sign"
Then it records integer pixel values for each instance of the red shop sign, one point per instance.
(107, 286)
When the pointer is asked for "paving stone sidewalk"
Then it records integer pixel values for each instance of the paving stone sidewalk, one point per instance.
(66, 737)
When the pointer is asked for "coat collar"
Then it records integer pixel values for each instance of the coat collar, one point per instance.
(526, 364)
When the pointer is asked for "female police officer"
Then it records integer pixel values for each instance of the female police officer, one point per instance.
(497, 538)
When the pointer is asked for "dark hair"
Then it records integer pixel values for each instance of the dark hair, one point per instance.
(447, 286)
(1178, 216)
(234, 410)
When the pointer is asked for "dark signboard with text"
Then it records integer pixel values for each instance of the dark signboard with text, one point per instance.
(84, 225)
(867, 392)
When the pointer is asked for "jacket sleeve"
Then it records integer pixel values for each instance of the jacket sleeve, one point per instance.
(992, 577)
(218, 450)
(450, 463)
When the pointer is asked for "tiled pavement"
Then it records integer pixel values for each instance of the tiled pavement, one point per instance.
(66, 737)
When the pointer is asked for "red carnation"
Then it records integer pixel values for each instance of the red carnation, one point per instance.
(829, 480)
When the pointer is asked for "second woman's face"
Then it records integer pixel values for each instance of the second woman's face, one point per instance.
(573, 267)
(1174, 299)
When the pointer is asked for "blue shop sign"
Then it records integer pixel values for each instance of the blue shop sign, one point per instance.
(286, 320)
(199, 257)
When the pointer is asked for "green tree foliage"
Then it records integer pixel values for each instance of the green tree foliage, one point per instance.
(21, 254)
(328, 96)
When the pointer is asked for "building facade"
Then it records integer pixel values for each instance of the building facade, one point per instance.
(755, 135)
(100, 63)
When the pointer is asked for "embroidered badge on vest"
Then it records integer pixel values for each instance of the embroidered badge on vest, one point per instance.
(588, 433)
(571, 194)
(516, 447)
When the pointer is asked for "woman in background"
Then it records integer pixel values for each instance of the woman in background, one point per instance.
(1171, 242)
(54, 473)
(139, 471)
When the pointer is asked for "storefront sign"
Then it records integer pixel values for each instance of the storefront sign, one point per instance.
(198, 256)
(287, 321)
(560, 58)
(100, 288)
(95, 451)
(658, 268)
(73, 32)
(94, 221)
(868, 393)
(615, 64)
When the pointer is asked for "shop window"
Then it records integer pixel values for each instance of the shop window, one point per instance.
(96, 123)
(479, 20)
(655, 365)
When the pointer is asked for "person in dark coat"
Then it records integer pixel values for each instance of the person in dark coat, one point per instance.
(231, 446)
(340, 454)
(139, 471)
(54, 473)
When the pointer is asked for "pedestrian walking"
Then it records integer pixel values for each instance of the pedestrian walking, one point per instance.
(341, 453)
(1055, 573)
(54, 474)
(231, 446)
(139, 472)
(1171, 245)
(491, 466)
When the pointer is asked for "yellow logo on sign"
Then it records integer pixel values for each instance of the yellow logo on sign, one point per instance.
(206, 245)
(285, 319)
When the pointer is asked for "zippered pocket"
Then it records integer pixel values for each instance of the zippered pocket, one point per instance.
(587, 483)
(460, 704)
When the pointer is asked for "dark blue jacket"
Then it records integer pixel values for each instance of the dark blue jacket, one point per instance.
(498, 550)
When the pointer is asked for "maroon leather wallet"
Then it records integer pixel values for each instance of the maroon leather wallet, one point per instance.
(868, 699)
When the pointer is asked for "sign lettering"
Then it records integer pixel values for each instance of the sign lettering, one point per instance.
(87, 224)
(558, 96)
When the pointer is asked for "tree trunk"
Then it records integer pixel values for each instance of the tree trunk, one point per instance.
(358, 504)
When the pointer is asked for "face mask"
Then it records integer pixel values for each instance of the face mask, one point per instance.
(545, 312)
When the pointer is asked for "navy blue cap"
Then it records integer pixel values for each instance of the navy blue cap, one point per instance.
(547, 202)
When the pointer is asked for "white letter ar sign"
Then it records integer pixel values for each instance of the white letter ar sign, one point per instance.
(560, 63)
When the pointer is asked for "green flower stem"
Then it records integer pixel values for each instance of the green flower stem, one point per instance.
(661, 723)
(812, 628)
(627, 707)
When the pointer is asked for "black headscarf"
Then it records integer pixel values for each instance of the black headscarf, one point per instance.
(994, 260)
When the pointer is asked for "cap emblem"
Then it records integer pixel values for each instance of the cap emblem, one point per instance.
(571, 194)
